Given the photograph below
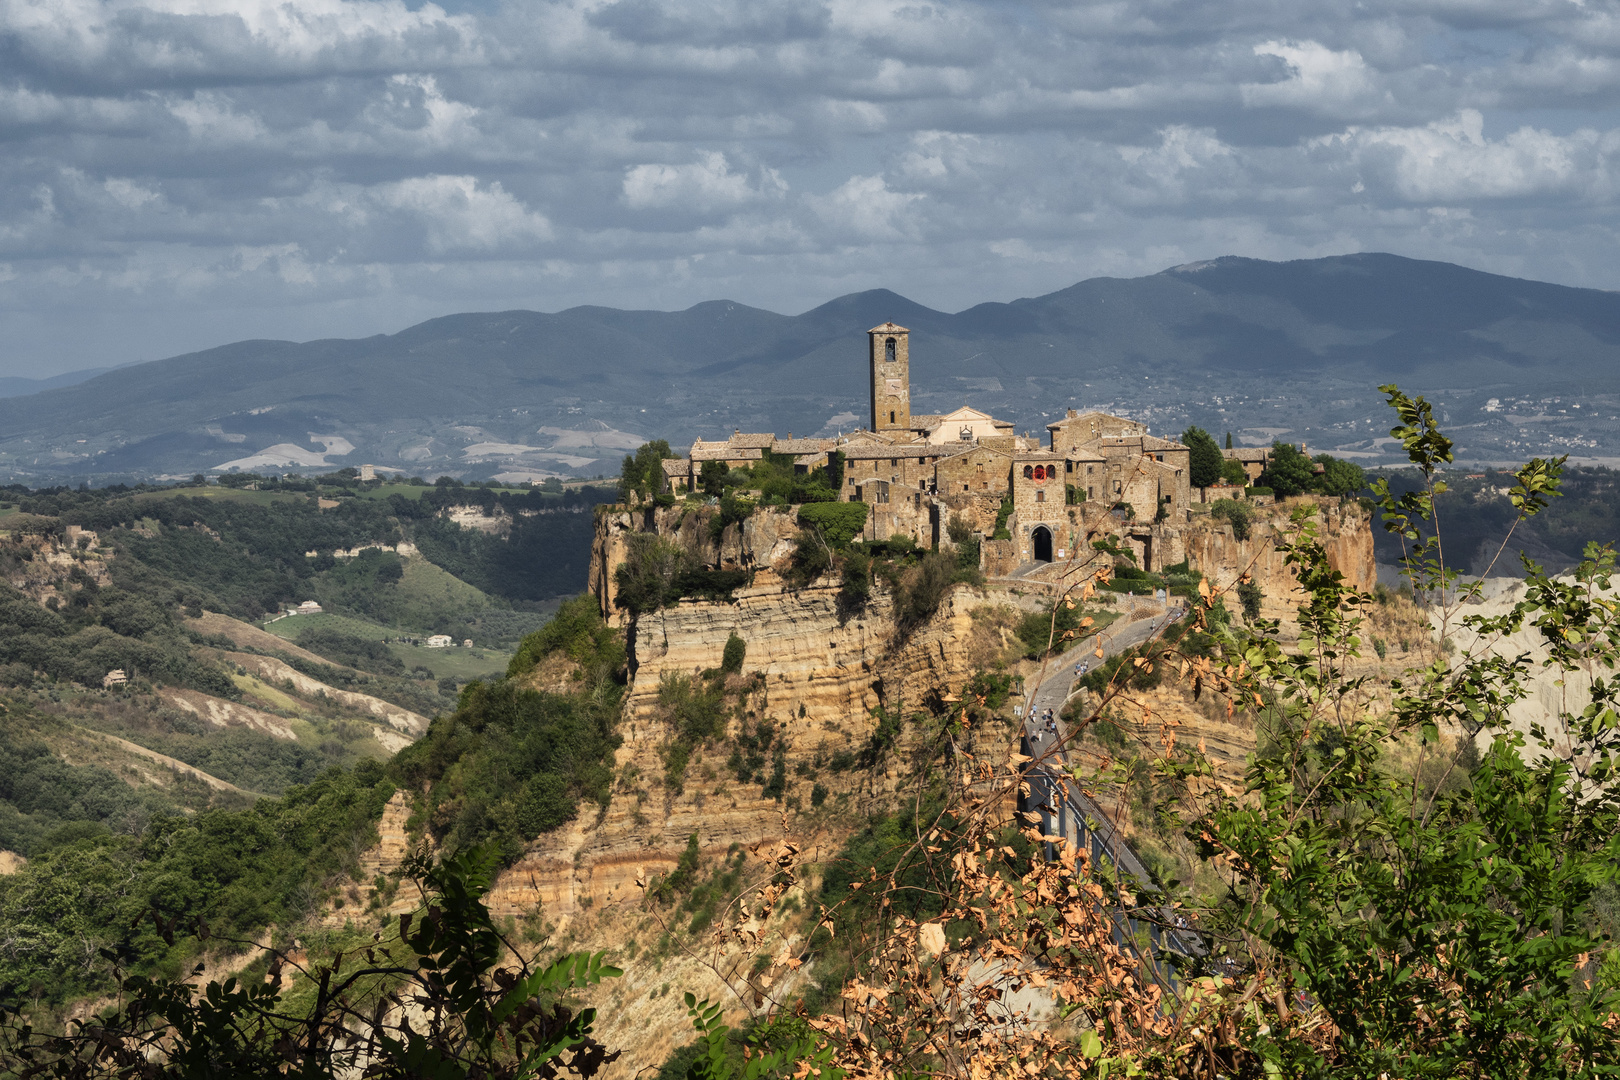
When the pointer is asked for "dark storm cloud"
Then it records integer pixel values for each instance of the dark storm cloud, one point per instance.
(178, 172)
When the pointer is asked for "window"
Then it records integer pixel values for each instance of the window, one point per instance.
(1068, 466)
(1029, 472)
(894, 462)
(922, 461)
(964, 487)
(1091, 493)
(1088, 470)
(1040, 496)
(891, 416)
(888, 351)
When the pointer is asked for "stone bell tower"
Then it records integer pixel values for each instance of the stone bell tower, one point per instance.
(891, 377)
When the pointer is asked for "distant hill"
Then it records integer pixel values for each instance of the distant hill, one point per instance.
(1264, 349)
(16, 386)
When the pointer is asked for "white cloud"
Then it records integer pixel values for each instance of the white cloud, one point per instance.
(1451, 160)
(112, 38)
(1320, 80)
(864, 208)
(705, 185)
(459, 216)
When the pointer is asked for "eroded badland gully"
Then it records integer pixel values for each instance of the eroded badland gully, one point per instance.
(817, 672)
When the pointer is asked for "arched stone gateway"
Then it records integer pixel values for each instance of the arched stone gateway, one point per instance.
(1041, 542)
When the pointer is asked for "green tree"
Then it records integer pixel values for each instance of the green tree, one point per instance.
(1204, 461)
(1339, 477)
(1232, 471)
(838, 522)
(643, 472)
(1288, 472)
(712, 478)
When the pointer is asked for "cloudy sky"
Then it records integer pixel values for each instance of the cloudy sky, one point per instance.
(176, 174)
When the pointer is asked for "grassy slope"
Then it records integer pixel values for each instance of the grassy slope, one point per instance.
(461, 664)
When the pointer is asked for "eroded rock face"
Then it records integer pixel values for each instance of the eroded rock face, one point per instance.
(1345, 531)
(818, 672)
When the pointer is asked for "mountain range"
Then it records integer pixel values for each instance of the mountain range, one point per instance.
(1261, 349)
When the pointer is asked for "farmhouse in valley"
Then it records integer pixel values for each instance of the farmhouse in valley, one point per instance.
(917, 472)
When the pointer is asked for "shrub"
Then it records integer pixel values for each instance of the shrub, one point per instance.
(1249, 595)
(732, 511)
(967, 544)
(811, 556)
(818, 794)
(1239, 515)
(1036, 627)
(646, 578)
(732, 660)
(1002, 515)
(919, 597)
(855, 588)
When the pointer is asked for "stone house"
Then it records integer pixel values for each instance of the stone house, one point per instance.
(1254, 459)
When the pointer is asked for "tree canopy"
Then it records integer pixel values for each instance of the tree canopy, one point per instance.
(1204, 464)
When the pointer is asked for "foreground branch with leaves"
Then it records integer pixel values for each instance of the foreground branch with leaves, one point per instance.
(429, 1000)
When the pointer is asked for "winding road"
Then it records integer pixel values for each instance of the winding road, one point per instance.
(1054, 690)
(1070, 812)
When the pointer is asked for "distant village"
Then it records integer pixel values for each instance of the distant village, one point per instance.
(917, 471)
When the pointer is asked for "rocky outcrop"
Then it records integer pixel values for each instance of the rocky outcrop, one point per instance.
(1344, 529)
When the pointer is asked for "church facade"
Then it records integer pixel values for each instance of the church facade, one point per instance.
(918, 472)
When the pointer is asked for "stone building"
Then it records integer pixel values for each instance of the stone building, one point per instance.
(919, 471)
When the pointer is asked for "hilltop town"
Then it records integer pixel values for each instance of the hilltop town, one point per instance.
(1030, 502)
